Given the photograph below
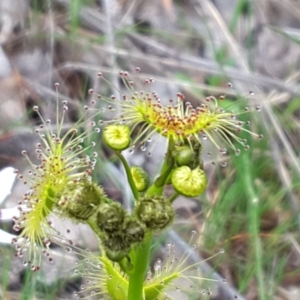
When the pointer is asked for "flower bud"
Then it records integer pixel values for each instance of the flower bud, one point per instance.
(134, 231)
(116, 246)
(81, 200)
(184, 155)
(155, 212)
(117, 136)
(140, 178)
(111, 217)
(190, 183)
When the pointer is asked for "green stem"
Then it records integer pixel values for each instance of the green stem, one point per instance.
(173, 197)
(140, 257)
(157, 187)
(129, 176)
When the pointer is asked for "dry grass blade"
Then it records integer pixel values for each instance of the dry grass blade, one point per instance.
(214, 14)
(171, 57)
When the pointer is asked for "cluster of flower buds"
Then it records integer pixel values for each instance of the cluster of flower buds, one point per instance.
(119, 231)
(151, 212)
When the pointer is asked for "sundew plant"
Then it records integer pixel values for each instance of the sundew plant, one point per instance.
(61, 185)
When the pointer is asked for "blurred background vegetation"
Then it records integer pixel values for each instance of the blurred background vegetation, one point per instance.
(251, 206)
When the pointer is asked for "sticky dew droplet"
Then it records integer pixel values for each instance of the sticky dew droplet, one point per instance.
(237, 152)
(223, 151)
